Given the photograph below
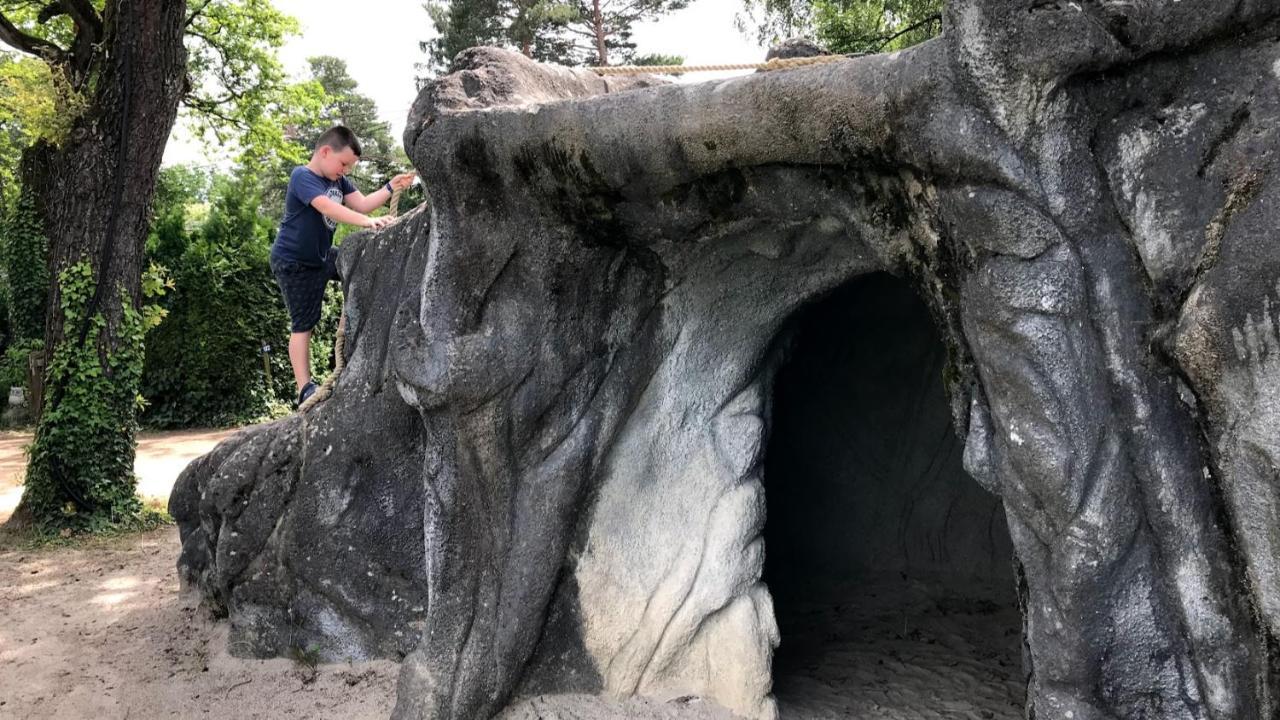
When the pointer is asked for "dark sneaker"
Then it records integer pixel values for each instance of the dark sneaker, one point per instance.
(307, 391)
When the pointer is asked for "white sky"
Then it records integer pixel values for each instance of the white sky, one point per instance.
(379, 40)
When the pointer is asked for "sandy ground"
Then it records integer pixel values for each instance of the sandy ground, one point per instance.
(900, 652)
(101, 630)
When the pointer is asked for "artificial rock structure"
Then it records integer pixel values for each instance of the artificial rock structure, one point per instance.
(547, 463)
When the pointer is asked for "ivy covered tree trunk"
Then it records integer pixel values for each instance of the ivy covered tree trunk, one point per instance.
(93, 197)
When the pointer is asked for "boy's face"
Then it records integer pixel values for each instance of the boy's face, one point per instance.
(336, 163)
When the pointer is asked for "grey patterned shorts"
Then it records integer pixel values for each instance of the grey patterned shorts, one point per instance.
(303, 288)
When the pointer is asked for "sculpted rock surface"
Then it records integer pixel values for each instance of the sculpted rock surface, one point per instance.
(542, 469)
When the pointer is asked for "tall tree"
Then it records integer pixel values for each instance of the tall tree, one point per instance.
(604, 27)
(534, 27)
(343, 103)
(126, 65)
(567, 32)
(92, 194)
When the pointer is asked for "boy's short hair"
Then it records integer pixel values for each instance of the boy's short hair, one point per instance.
(339, 137)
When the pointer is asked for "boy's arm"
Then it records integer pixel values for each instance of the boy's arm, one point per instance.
(360, 202)
(340, 213)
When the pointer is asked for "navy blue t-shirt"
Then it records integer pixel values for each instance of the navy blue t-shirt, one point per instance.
(305, 234)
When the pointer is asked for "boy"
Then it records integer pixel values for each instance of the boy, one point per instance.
(303, 257)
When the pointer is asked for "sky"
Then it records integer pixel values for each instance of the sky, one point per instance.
(379, 40)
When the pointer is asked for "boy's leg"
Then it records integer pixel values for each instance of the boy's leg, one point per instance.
(300, 357)
(303, 290)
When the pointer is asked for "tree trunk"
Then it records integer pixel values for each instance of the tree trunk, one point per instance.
(597, 24)
(95, 193)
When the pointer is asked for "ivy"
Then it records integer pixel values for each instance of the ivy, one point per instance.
(22, 256)
(80, 476)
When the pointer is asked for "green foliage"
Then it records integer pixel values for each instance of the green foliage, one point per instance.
(530, 26)
(777, 20)
(36, 103)
(274, 139)
(203, 360)
(871, 26)
(13, 367)
(846, 26)
(26, 277)
(236, 79)
(81, 471)
(649, 60)
(324, 334)
(37, 99)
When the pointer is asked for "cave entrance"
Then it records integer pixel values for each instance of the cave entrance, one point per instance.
(891, 569)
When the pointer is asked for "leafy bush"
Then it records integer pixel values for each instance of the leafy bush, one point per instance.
(13, 367)
(204, 361)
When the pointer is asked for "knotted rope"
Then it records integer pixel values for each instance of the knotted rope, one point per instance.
(339, 342)
(774, 64)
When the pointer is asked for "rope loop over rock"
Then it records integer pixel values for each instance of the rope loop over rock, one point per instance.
(774, 64)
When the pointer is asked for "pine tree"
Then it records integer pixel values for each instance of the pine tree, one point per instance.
(567, 32)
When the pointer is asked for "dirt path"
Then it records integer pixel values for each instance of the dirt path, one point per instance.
(161, 456)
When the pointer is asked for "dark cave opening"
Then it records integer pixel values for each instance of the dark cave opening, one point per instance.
(890, 568)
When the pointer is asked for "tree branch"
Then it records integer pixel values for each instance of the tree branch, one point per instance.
(929, 20)
(15, 38)
(196, 13)
(211, 108)
(85, 17)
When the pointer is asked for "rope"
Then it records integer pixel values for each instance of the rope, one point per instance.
(393, 209)
(774, 64)
(340, 339)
